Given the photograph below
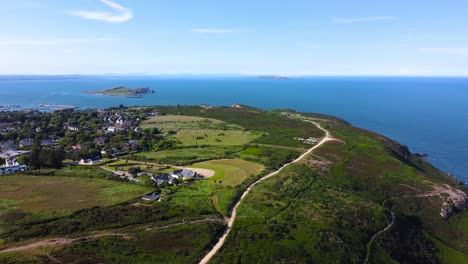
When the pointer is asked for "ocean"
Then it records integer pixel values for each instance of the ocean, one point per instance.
(430, 115)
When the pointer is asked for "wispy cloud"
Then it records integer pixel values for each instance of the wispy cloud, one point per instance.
(212, 30)
(120, 14)
(447, 51)
(350, 20)
(52, 41)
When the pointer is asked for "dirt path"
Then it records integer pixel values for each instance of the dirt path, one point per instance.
(56, 242)
(222, 240)
(64, 241)
(374, 237)
(185, 223)
(452, 194)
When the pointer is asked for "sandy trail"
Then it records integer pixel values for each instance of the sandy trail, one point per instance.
(64, 241)
(222, 240)
(56, 242)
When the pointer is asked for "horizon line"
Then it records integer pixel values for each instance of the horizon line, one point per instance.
(292, 76)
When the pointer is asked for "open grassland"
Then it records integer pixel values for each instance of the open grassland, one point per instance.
(277, 128)
(73, 171)
(55, 195)
(175, 122)
(187, 156)
(207, 137)
(218, 192)
(230, 172)
(199, 131)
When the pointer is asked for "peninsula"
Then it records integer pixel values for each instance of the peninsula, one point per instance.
(122, 91)
(212, 184)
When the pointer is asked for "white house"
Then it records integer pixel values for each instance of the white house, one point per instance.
(11, 167)
(89, 162)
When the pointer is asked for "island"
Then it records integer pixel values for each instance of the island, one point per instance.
(123, 91)
(273, 77)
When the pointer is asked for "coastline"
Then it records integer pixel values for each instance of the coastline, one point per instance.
(370, 103)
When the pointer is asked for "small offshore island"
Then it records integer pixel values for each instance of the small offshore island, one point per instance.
(123, 91)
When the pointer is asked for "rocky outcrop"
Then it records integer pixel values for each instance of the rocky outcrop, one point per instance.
(455, 202)
(143, 91)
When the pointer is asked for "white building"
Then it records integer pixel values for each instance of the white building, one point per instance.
(11, 167)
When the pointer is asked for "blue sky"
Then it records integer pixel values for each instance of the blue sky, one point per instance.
(295, 37)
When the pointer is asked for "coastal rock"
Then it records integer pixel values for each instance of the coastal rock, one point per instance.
(143, 91)
(455, 202)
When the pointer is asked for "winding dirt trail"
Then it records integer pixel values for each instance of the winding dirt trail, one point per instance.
(64, 241)
(56, 242)
(230, 223)
(374, 237)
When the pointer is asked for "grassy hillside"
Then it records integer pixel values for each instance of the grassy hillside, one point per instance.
(330, 208)
(27, 198)
(360, 198)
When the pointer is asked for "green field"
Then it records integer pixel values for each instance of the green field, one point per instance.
(187, 156)
(174, 122)
(202, 137)
(55, 195)
(219, 191)
(230, 172)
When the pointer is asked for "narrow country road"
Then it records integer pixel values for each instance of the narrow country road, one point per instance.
(221, 241)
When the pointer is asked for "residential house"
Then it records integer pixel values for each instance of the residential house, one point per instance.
(8, 145)
(89, 162)
(152, 197)
(100, 141)
(184, 174)
(4, 126)
(26, 142)
(76, 147)
(162, 178)
(47, 142)
(11, 167)
(72, 127)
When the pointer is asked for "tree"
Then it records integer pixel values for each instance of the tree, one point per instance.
(134, 170)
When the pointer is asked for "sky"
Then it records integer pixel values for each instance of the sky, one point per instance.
(294, 37)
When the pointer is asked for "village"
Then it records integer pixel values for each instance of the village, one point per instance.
(98, 141)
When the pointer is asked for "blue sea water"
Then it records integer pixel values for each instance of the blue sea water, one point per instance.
(430, 115)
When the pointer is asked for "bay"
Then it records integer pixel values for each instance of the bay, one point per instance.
(430, 115)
